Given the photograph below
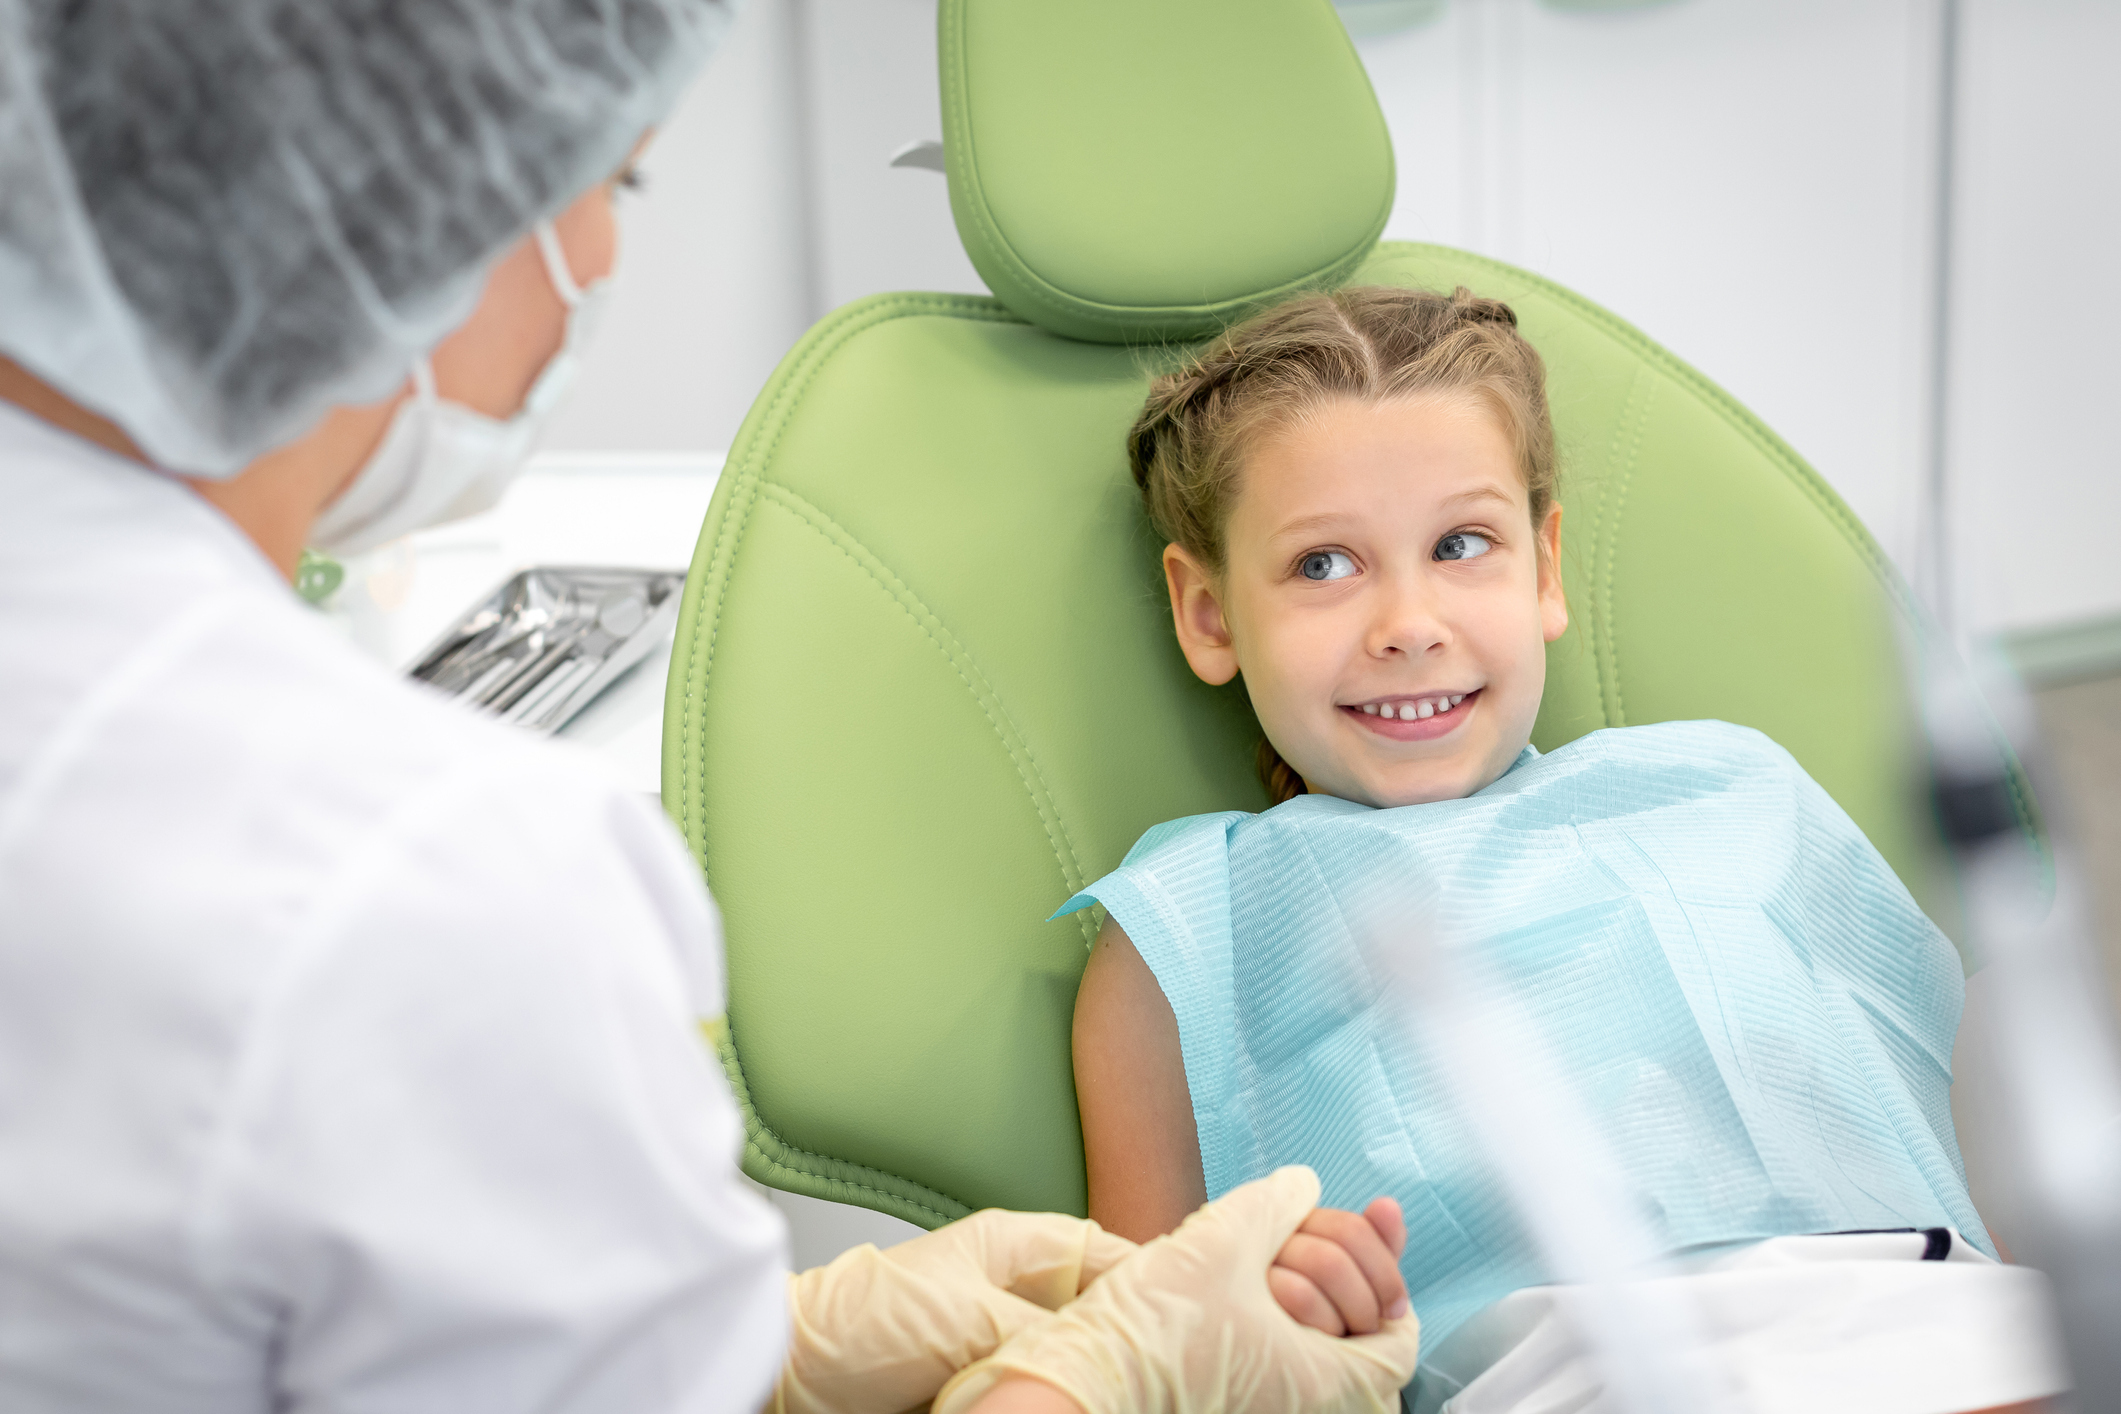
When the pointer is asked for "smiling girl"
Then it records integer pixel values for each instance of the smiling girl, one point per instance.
(1359, 494)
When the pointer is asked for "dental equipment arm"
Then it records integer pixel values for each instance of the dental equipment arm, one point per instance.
(2054, 1059)
(1189, 1324)
(882, 1330)
(1566, 1185)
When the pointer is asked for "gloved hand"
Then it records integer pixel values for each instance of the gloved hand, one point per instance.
(878, 1332)
(1188, 1325)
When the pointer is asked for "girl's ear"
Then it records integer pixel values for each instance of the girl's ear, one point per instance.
(1197, 615)
(1553, 604)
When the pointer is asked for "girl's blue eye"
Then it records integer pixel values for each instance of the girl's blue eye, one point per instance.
(1462, 545)
(1327, 564)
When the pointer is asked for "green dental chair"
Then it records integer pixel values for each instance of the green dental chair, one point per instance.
(925, 685)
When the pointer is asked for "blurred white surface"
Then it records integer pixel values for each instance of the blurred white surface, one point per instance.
(639, 511)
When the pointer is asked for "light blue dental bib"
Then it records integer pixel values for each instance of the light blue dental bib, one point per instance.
(1746, 998)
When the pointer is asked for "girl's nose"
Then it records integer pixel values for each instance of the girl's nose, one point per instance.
(1408, 623)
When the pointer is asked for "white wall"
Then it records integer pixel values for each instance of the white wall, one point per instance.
(1752, 183)
(769, 202)
(714, 280)
(2034, 466)
(873, 88)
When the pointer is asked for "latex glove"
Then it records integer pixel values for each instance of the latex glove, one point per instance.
(879, 1332)
(1188, 1325)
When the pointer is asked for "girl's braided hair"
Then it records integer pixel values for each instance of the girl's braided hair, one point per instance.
(1366, 343)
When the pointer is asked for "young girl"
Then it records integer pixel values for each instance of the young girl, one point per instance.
(1359, 492)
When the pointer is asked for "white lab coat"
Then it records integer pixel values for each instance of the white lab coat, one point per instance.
(348, 1043)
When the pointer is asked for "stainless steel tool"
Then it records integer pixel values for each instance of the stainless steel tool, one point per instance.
(543, 645)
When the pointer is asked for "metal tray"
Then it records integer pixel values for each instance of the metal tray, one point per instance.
(540, 648)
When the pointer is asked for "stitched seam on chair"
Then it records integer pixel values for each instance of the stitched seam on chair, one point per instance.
(773, 1147)
(899, 1199)
(1600, 580)
(1636, 416)
(1735, 414)
(1152, 318)
(750, 470)
(961, 661)
(752, 456)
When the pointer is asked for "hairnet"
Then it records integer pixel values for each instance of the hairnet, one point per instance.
(219, 218)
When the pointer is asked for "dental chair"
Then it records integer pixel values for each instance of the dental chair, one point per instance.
(925, 685)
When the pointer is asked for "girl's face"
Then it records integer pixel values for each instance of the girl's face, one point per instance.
(1384, 595)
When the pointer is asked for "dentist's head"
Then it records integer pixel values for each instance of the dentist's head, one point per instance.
(320, 260)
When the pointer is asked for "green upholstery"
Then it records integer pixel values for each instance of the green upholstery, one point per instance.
(925, 685)
(1096, 183)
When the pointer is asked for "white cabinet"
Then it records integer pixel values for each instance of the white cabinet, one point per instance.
(2034, 469)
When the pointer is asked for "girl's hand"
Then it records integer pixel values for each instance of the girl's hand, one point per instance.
(1339, 1273)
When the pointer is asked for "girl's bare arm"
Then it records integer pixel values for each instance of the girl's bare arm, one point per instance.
(1139, 1142)
(1338, 1273)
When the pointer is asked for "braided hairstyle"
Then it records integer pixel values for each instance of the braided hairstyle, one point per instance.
(1367, 343)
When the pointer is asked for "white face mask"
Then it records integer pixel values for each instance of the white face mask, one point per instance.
(441, 461)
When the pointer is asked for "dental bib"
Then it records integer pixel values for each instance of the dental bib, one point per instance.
(1746, 999)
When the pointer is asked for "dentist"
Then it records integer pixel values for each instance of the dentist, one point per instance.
(348, 1044)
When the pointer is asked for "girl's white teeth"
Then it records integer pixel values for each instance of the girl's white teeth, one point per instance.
(1413, 711)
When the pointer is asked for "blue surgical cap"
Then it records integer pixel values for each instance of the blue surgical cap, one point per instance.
(219, 218)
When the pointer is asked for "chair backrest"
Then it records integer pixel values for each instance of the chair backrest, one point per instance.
(925, 685)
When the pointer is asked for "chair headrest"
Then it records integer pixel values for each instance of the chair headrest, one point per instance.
(1129, 171)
